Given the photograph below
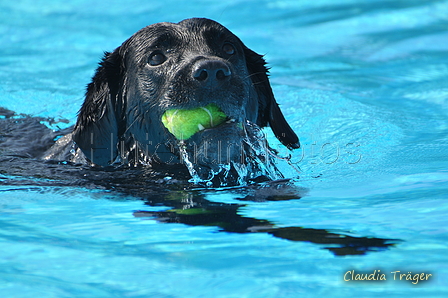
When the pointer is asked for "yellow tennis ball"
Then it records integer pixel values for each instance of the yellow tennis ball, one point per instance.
(185, 123)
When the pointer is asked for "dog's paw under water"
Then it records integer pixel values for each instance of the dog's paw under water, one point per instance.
(252, 161)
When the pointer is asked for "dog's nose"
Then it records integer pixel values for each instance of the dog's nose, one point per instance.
(211, 72)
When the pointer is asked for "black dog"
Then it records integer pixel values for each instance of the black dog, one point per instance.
(177, 66)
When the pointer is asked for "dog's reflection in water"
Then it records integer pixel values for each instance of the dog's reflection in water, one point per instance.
(192, 208)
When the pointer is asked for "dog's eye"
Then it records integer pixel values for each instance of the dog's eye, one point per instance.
(228, 48)
(156, 58)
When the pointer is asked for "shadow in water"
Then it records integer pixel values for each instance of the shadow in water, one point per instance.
(187, 205)
(192, 208)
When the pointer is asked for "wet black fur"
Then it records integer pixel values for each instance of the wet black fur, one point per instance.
(127, 96)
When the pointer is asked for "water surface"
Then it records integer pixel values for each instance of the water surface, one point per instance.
(364, 85)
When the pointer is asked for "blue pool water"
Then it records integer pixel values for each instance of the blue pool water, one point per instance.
(363, 83)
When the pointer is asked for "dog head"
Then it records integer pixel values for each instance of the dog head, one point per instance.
(177, 66)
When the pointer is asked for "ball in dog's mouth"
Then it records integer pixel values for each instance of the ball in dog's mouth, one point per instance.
(185, 123)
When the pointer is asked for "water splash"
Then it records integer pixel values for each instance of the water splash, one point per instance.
(190, 166)
(256, 163)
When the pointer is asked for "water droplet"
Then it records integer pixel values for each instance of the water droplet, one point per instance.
(258, 162)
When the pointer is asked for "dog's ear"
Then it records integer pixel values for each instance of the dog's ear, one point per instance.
(97, 130)
(268, 109)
